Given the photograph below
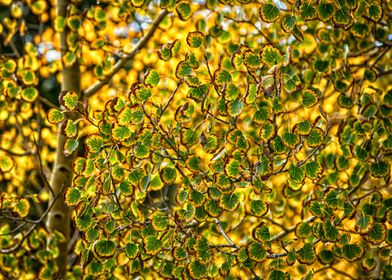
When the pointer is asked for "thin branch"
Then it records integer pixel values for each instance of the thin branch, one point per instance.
(218, 223)
(120, 63)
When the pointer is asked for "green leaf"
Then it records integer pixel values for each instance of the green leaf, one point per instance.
(168, 175)
(341, 16)
(315, 137)
(126, 188)
(325, 11)
(297, 173)
(179, 253)
(303, 128)
(69, 59)
(377, 233)
(270, 55)
(184, 10)
(94, 143)
(151, 78)
(70, 146)
(369, 264)
(121, 133)
(267, 131)
(261, 115)
(189, 137)
(269, 13)
(288, 23)
(306, 254)
(183, 69)
(72, 196)
(199, 93)
(229, 202)
(212, 208)
(197, 270)
(331, 232)
(159, 221)
(375, 11)
(303, 230)
(352, 252)
(29, 94)
(195, 39)
(197, 197)
(70, 129)
(278, 275)
(261, 232)
(291, 140)
(132, 250)
(22, 207)
(345, 101)
(6, 163)
(256, 251)
(307, 10)
(55, 116)
(222, 77)
(309, 98)
(202, 248)
(105, 248)
(69, 99)
(313, 169)
(326, 256)
(233, 168)
(235, 108)
(152, 245)
(251, 59)
(258, 207)
(364, 224)
(380, 169)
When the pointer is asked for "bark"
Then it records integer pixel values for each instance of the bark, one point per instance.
(59, 217)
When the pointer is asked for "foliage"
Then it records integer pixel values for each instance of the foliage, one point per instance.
(211, 139)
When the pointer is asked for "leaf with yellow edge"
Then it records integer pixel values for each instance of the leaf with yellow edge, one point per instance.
(151, 78)
(184, 10)
(105, 248)
(6, 163)
(269, 12)
(72, 196)
(55, 116)
(22, 207)
(195, 39)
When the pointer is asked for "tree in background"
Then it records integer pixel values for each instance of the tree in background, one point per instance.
(203, 139)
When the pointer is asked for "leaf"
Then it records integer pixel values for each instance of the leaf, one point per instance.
(232, 168)
(303, 128)
(69, 59)
(222, 77)
(212, 208)
(184, 10)
(70, 129)
(183, 69)
(197, 270)
(132, 250)
(55, 116)
(159, 221)
(303, 230)
(251, 59)
(270, 55)
(375, 11)
(308, 11)
(152, 245)
(288, 23)
(69, 99)
(258, 207)
(306, 254)
(229, 202)
(151, 78)
(256, 252)
(364, 224)
(341, 16)
(29, 94)
(202, 248)
(261, 232)
(120, 133)
(105, 248)
(6, 164)
(277, 275)
(168, 175)
(325, 11)
(380, 169)
(313, 169)
(309, 98)
(197, 197)
(72, 196)
(195, 39)
(269, 13)
(267, 131)
(326, 256)
(126, 188)
(199, 93)
(315, 137)
(189, 137)
(22, 207)
(235, 108)
(352, 252)
(369, 264)
(291, 140)
(331, 232)
(377, 233)
(179, 253)
(94, 143)
(297, 173)
(70, 146)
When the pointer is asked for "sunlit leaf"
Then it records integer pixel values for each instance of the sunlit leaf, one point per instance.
(269, 12)
(352, 252)
(306, 254)
(55, 116)
(105, 248)
(256, 251)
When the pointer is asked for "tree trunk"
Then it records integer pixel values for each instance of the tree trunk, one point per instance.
(59, 217)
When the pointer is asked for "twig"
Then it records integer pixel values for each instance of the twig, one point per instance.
(218, 223)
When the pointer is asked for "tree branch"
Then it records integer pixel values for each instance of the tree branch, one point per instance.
(120, 63)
